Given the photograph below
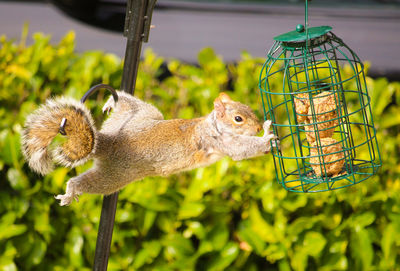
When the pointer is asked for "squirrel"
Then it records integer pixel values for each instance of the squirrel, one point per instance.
(135, 141)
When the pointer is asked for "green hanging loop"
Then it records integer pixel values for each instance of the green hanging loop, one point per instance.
(306, 23)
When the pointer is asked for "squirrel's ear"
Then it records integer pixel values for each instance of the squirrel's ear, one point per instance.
(219, 107)
(219, 104)
(224, 97)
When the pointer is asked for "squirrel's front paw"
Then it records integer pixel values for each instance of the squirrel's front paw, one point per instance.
(273, 140)
(267, 124)
(270, 137)
(108, 106)
(275, 143)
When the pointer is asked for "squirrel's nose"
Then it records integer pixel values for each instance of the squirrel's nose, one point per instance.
(259, 128)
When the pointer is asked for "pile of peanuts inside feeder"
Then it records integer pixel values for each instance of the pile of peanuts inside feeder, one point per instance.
(321, 123)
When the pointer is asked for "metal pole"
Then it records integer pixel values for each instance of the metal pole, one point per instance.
(137, 27)
(104, 235)
(133, 31)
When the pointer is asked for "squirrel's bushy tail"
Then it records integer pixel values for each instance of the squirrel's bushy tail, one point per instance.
(43, 125)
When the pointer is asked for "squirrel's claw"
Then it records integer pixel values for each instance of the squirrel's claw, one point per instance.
(276, 143)
(76, 196)
(107, 110)
(108, 106)
(64, 199)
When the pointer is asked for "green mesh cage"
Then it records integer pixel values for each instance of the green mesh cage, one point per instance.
(313, 88)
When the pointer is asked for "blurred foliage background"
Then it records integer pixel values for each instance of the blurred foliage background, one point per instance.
(229, 216)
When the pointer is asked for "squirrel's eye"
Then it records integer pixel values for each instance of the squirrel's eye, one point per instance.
(238, 119)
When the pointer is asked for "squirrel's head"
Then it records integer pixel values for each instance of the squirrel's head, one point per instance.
(235, 117)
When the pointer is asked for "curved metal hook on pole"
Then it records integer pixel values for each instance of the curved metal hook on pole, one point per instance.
(97, 87)
(84, 98)
(137, 29)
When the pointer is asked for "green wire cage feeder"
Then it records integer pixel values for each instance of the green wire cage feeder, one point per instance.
(315, 90)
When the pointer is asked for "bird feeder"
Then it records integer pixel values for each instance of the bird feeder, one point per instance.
(314, 90)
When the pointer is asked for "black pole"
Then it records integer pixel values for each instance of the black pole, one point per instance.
(133, 31)
(137, 27)
(104, 235)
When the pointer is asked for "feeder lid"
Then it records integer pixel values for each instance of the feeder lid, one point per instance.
(299, 35)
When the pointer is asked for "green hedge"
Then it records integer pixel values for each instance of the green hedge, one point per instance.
(229, 216)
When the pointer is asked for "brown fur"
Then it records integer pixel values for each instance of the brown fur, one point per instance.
(136, 141)
(80, 141)
(43, 125)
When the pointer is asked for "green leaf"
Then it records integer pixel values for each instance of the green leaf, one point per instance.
(146, 255)
(17, 179)
(58, 178)
(42, 220)
(363, 220)
(166, 222)
(248, 235)
(299, 260)
(8, 230)
(74, 246)
(391, 118)
(155, 203)
(275, 252)
(389, 237)
(176, 247)
(196, 228)
(186, 113)
(339, 246)
(295, 202)
(218, 236)
(259, 225)
(314, 243)
(224, 258)
(8, 267)
(361, 247)
(207, 56)
(381, 96)
(37, 253)
(302, 224)
(334, 262)
(190, 209)
(149, 218)
(11, 149)
(7, 258)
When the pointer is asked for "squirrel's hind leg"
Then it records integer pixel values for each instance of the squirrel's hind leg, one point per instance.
(128, 104)
(70, 193)
(90, 181)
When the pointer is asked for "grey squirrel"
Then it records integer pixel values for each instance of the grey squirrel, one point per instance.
(135, 141)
